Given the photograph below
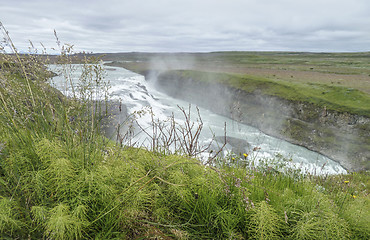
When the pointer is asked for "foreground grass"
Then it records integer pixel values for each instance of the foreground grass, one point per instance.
(61, 179)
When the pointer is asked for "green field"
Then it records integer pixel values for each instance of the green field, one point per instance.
(343, 69)
(338, 81)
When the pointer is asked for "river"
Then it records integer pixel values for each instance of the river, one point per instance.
(137, 94)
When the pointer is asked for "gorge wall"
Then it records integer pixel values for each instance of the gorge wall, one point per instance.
(341, 136)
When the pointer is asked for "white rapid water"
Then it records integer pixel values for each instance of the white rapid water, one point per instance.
(137, 93)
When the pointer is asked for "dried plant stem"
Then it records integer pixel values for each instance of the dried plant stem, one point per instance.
(7, 110)
(14, 50)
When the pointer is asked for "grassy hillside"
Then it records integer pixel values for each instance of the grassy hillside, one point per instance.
(61, 179)
(336, 98)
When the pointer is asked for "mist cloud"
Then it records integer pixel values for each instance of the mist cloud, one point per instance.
(190, 26)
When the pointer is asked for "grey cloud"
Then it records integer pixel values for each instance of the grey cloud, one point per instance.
(191, 25)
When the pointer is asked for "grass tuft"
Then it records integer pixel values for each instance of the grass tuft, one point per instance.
(264, 222)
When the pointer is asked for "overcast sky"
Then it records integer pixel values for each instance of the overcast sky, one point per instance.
(190, 25)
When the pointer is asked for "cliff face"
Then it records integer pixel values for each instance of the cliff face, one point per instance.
(341, 136)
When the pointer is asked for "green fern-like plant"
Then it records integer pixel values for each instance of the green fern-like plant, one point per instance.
(59, 174)
(9, 221)
(320, 225)
(264, 222)
(308, 227)
(40, 214)
(64, 224)
(316, 217)
(357, 214)
(49, 150)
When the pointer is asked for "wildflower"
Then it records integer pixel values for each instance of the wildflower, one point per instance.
(354, 196)
(233, 159)
(286, 217)
(346, 181)
(238, 183)
(245, 155)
